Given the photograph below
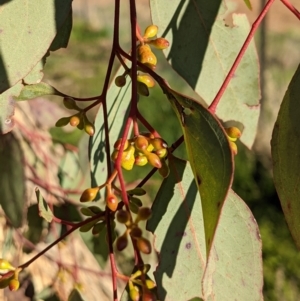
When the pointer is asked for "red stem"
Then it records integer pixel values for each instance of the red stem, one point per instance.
(291, 8)
(146, 124)
(75, 227)
(213, 106)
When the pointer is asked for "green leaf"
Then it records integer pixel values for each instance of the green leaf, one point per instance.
(234, 267)
(44, 210)
(12, 179)
(35, 225)
(75, 296)
(285, 146)
(248, 4)
(118, 100)
(36, 90)
(209, 154)
(27, 31)
(7, 108)
(204, 56)
(234, 270)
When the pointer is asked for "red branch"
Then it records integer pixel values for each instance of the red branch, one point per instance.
(213, 106)
(291, 8)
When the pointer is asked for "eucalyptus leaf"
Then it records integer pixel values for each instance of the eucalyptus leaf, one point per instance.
(75, 296)
(36, 90)
(285, 146)
(12, 179)
(209, 154)
(233, 270)
(44, 210)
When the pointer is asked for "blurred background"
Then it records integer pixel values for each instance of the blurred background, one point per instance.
(82, 67)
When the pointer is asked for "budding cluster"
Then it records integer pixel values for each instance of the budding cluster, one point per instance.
(142, 150)
(146, 56)
(9, 275)
(141, 286)
(78, 120)
(233, 133)
(132, 229)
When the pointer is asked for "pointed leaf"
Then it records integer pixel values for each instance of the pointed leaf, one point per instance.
(285, 147)
(118, 100)
(23, 45)
(204, 56)
(75, 296)
(234, 268)
(248, 4)
(7, 108)
(209, 154)
(44, 210)
(12, 179)
(36, 90)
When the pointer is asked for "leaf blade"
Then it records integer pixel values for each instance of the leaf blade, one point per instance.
(209, 154)
(12, 179)
(177, 224)
(36, 90)
(44, 210)
(286, 158)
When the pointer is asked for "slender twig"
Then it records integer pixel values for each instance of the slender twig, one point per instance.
(67, 233)
(111, 256)
(255, 25)
(146, 124)
(291, 8)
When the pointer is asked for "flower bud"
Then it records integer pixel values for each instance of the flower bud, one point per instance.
(123, 216)
(112, 202)
(134, 292)
(14, 284)
(150, 31)
(140, 160)
(159, 43)
(146, 79)
(233, 147)
(70, 103)
(158, 143)
(154, 160)
(144, 213)
(128, 158)
(122, 242)
(117, 144)
(89, 194)
(74, 120)
(5, 267)
(141, 143)
(233, 133)
(144, 245)
(142, 89)
(120, 81)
